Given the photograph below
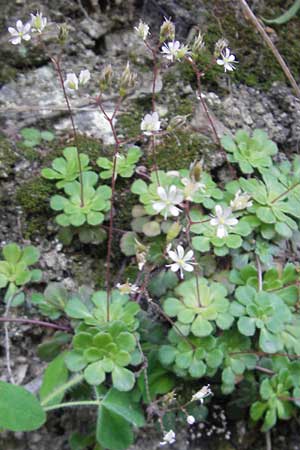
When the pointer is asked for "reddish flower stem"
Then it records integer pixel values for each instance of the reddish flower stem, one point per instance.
(110, 120)
(36, 322)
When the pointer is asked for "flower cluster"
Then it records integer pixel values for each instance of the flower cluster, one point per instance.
(22, 31)
(204, 392)
(169, 438)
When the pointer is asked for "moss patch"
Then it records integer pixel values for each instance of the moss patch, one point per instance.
(8, 157)
(34, 196)
(178, 151)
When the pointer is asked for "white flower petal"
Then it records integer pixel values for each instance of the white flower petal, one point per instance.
(162, 193)
(221, 231)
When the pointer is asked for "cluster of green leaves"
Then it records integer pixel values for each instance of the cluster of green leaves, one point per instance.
(32, 137)
(199, 306)
(15, 271)
(250, 152)
(125, 164)
(66, 169)
(84, 204)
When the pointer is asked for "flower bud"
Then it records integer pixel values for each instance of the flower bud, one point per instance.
(220, 45)
(167, 31)
(63, 34)
(127, 80)
(106, 78)
(196, 170)
(198, 44)
(173, 231)
(142, 30)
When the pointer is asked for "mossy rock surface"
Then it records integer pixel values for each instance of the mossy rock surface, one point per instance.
(257, 66)
(34, 197)
(8, 157)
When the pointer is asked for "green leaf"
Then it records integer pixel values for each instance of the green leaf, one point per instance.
(123, 379)
(201, 327)
(31, 134)
(12, 253)
(19, 409)
(55, 375)
(166, 354)
(113, 431)
(75, 361)
(94, 373)
(257, 410)
(77, 310)
(121, 403)
(285, 17)
(201, 243)
(246, 326)
(47, 136)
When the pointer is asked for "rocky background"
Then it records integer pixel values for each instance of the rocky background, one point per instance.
(101, 32)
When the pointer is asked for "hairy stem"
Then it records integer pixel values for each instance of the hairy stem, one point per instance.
(72, 404)
(64, 387)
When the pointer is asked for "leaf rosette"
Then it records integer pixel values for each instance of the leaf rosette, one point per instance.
(261, 311)
(250, 152)
(199, 305)
(194, 357)
(66, 169)
(104, 352)
(96, 201)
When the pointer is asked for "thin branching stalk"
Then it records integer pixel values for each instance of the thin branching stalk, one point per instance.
(279, 197)
(259, 273)
(110, 120)
(56, 63)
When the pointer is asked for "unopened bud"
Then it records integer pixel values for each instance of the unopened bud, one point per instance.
(167, 31)
(142, 30)
(196, 170)
(106, 78)
(198, 44)
(220, 45)
(63, 34)
(173, 231)
(127, 80)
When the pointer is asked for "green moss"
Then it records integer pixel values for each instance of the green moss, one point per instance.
(7, 73)
(8, 157)
(178, 151)
(34, 196)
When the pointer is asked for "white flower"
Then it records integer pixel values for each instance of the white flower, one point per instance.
(223, 221)
(169, 197)
(191, 186)
(128, 288)
(202, 394)
(20, 32)
(181, 261)
(150, 123)
(71, 82)
(38, 22)
(241, 201)
(169, 438)
(142, 30)
(174, 50)
(227, 60)
(84, 77)
(190, 420)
